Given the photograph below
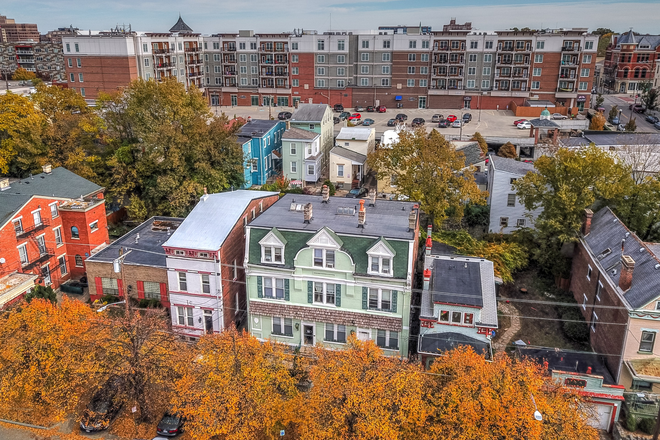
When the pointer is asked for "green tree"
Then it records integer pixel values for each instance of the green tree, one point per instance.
(482, 142)
(428, 169)
(43, 292)
(23, 75)
(21, 126)
(631, 125)
(650, 99)
(599, 100)
(597, 122)
(604, 41)
(507, 150)
(614, 113)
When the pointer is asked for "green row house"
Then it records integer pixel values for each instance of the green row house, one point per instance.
(317, 118)
(301, 155)
(321, 268)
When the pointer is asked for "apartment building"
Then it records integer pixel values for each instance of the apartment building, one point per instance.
(631, 60)
(44, 58)
(11, 32)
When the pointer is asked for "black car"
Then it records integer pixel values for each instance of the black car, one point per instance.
(371, 108)
(443, 123)
(418, 122)
(391, 123)
(401, 117)
(170, 425)
(283, 116)
(467, 117)
(336, 120)
(357, 193)
(652, 119)
(637, 108)
(344, 115)
(338, 108)
(103, 407)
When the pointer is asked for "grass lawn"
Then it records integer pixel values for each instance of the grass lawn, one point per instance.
(538, 321)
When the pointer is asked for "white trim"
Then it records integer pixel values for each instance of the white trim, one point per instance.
(38, 209)
(302, 332)
(90, 226)
(322, 239)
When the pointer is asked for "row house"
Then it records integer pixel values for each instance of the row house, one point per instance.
(301, 155)
(615, 278)
(261, 141)
(348, 158)
(50, 223)
(204, 258)
(630, 60)
(44, 58)
(321, 268)
(317, 118)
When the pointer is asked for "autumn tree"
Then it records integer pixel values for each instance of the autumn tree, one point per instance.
(427, 168)
(237, 388)
(507, 150)
(21, 125)
(599, 100)
(472, 398)
(597, 122)
(631, 125)
(23, 75)
(614, 113)
(358, 393)
(167, 147)
(482, 142)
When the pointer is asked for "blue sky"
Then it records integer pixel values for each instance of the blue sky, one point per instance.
(210, 16)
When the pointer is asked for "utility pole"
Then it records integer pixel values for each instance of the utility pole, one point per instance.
(118, 267)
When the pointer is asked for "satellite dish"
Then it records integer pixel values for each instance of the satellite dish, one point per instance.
(2, 261)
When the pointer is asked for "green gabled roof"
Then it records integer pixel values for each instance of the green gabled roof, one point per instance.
(386, 243)
(331, 233)
(279, 235)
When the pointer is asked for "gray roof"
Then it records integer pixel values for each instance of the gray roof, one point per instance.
(256, 128)
(309, 113)
(653, 41)
(60, 183)
(387, 219)
(604, 242)
(210, 222)
(600, 138)
(299, 134)
(180, 27)
(481, 178)
(472, 152)
(354, 133)
(627, 38)
(435, 343)
(349, 154)
(544, 123)
(511, 165)
(148, 249)
(569, 361)
(655, 248)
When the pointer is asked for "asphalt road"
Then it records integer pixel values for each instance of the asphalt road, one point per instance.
(623, 102)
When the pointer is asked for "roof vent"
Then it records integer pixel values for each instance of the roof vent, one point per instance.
(345, 210)
(604, 254)
(137, 238)
(641, 249)
(47, 169)
(4, 184)
(657, 266)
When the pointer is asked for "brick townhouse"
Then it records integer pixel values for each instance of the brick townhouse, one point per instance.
(50, 223)
(615, 278)
(630, 60)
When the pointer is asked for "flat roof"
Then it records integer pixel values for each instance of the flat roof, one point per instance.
(569, 361)
(354, 133)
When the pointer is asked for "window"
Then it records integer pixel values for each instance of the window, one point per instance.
(423, 83)
(588, 45)
(411, 56)
(341, 83)
(324, 257)
(94, 225)
(444, 316)
(472, 58)
(411, 69)
(109, 286)
(61, 261)
(385, 57)
(384, 81)
(320, 58)
(456, 317)
(341, 44)
(341, 59)
(295, 83)
(341, 71)
(282, 326)
(364, 81)
(364, 70)
(151, 290)
(474, 44)
(486, 71)
(206, 283)
(364, 57)
(540, 44)
(335, 333)
(79, 261)
(410, 83)
(320, 45)
(18, 226)
(489, 44)
(235, 268)
(254, 58)
(68, 47)
(22, 253)
(599, 289)
(583, 85)
(294, 46)
(586, 59)
(470, 84)
(146, 62)
(472, 70)
(294, 58)
(536, 85)
(185, 316)
(324, 293)
(183, 281)
(253, 70)
(271, 254)
(485, 84)
(80, 77)
(380, 299)
(365, 44)
(589, 272)
(585, 73)
(385, 70)
(424, 70)
(388, 339)
(242, 58)
(511, 200)
(340, 170)
(320, 70)
(386, 44)
(74, 232)
(58, 236)
(536, 71)
(520, 223)
(504, 222)
(320, 83)
(76, 47)
(78, 63)
(468, 318)
(310, 170)
(594, 321)
(487, 58)
(243, 70)
(647, 342)
(70, 62)
(274, 288)
(241, 46)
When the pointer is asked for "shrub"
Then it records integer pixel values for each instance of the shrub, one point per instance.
(631, 423)
(647, 425)
(296, 190)
(109, 299)
(150, 303)
(477, 215)
(308, 191)
(575, 331)
(507, 150)
(42, 292)
(331, 187)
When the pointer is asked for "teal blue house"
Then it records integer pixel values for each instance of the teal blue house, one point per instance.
(261, 141)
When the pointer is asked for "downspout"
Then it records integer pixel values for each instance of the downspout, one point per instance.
(218, 291)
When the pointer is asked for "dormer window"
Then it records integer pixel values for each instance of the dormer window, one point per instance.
(324, 245)
(272, 254)
(272, 247)
(324, 258)
(381, 256)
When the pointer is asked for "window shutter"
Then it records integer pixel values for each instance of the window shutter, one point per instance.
(365, 295)
(163, 293)
(120, 287)
(260, 289)
(338, 295)
(394, 295)
(140, 288)
(99, 286)
(286, 290)
(310, 292)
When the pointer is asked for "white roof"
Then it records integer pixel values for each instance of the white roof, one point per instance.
(211, 221)
(389, 138)
(355, 133)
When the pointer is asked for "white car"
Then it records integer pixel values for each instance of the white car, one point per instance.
(457, 123)
(524, 125)
(559, 116)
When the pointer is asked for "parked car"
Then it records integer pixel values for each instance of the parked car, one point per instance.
(451, 118)
(418, 122)
(283, 116)
(620, 127)
(391, 123)
(467, 117)
(381, 109)
(657, 125)
(637, 108)
(436, 117)
(615, 120)
(401, 117)
(355, 117)
(344, 115)
(359, 108)
(516, 122)
(368, 122)
(371, 108)
(652, 119)
(524, 125)
(357, 193)
(336, 120)
(170, 425)
(457, 123)
(443, 123)
(103, 407)
(559, 116)
(601, 109)
(338, 108)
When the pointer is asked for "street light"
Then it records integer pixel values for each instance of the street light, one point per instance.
(101, 309)
(537, 414)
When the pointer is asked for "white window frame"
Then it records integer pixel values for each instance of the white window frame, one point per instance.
(58, 236)
(273, 254)
(18, 221)
(324, 258)
(340, 170)
(388, 337)
(182, 281)
(274, 287)
(379, 300)
(294, 166)
(54, 211)
(282, 328)
(185, 316)
(61, 261)
(324, 292)
(589, 271)
(335, 332)
(94, 226)
(22, 251)
(34, 217)
(79, 258)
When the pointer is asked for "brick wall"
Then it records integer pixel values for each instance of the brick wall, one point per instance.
(132, 275)
(88, 240)
(100, 73)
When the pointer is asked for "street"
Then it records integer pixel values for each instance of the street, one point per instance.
(623, 101)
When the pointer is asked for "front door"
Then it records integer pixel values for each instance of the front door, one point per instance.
(308, 334)
(215, 100)
(622, 88)
(234, 100)
(208, 321)
(266, 101)
(421, 102)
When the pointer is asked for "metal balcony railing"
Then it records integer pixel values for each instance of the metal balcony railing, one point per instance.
(27, 231)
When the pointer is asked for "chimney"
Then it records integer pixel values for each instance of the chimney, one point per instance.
(325, 194)
(429, 245)
(288, 124)
(427, 279)
(588, 370)
(372, 197)
(137, 237)
(4, 184)
(205, 196)
(412, 220)
(626, 275)
(307, 213)
(362, 215)
(47, 168)
(586, 224)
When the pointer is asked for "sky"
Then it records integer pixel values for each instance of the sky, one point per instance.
(263, 16)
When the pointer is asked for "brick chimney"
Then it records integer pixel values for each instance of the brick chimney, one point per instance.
(427, 279)
(429, 245)
(325, 193)
(288, 125)
(47, 169)
(626, 275)
(362, 215)
(307, 213)
(586, 223)
(412, 220)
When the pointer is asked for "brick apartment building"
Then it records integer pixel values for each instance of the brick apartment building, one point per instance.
(630, 60)
(50, 223)
(143, 273)
(10, 31)
(615, 278)
(44, 58)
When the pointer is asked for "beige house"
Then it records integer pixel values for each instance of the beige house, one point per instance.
(348, 158)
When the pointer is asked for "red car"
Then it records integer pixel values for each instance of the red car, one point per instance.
(355, 116)
(519, 121)
(381, 109)
(451, 118)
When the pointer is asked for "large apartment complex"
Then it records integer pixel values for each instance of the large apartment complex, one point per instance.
(411, 67)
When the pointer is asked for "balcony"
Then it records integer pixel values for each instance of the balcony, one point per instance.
(229, 48)
(281, 73)
(526, 48)
(164, 66)
(24, 52)
(230, 60)
(460, 60)
(229, 72)
(192, 49)
(569, 62)
(570, 49)
(194, 74)
(504, 61)
(25, 232)
(163, 51)
(506, 48)
(523, 61)
(572, 77)
(521, 75)
(194, 62)
(26, 60)
(45, 254)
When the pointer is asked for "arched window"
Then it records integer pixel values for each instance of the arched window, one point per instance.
(636, 74)
(625, 72)
(74, 232)
(643, 73)
(79, 261)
